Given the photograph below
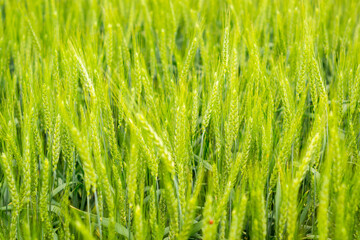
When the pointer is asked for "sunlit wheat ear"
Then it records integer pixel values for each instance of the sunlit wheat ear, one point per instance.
(56, 144)
(10, 178)
(44, 199)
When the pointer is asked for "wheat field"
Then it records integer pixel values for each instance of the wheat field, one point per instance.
(189, 119)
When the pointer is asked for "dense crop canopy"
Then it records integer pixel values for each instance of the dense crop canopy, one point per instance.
(167, 119)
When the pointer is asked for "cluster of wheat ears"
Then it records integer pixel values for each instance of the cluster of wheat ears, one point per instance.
(190, 119)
